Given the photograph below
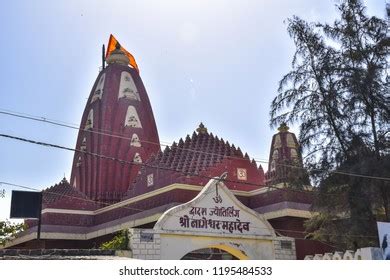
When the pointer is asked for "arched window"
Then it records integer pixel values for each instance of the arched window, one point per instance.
(89, 123)
(75, 182)
(99, 89)
(137, 158)
(78, 162)
(294, 153)
(135, 142)
(277, 142)
(273, 165)
(290, 141)
(83, 146)
(132, 119)
(127, 88)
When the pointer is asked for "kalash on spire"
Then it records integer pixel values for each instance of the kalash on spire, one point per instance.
(117, 124)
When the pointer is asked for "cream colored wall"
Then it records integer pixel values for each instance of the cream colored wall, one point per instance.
(368, 253)
(175, 247)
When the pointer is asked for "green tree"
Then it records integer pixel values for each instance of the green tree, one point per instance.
(9, 230)
(338, 91)
(364, 54)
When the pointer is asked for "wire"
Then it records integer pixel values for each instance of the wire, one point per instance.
(109, 133)
(70, 196)
(101, 132)
(141, 164)
(159, 167)
(75, 197)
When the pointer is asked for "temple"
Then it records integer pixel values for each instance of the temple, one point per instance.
(122, 178)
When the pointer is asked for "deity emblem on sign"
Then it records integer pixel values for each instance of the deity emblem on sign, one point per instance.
(217, 199)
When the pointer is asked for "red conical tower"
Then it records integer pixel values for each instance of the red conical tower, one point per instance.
(118, 122)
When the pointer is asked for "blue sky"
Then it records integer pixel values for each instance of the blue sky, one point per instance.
(218, 62)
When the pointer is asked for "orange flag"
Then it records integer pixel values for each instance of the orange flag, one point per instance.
(112, 46)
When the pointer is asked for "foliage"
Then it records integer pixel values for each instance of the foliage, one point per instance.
(339, 92)
(119, 242)
(9, 230)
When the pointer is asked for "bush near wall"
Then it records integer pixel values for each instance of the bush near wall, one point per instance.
(119, 242)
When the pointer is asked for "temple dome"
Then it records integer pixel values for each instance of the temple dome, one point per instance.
(194, 160)
(117, 124)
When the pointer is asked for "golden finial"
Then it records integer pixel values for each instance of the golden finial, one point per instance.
(201, 129)
(283, 127)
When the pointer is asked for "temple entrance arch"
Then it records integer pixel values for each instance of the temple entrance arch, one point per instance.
(214, 253)
(213, 225)
(236, 253)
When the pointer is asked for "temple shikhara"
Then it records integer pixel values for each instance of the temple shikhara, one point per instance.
(201, 196)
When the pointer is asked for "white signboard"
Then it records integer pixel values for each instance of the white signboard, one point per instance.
(384, 239)
(215, 210)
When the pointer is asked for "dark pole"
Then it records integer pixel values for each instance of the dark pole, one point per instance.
(39, 217)
(103, 56)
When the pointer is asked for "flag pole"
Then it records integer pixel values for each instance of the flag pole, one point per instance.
(103, 57)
